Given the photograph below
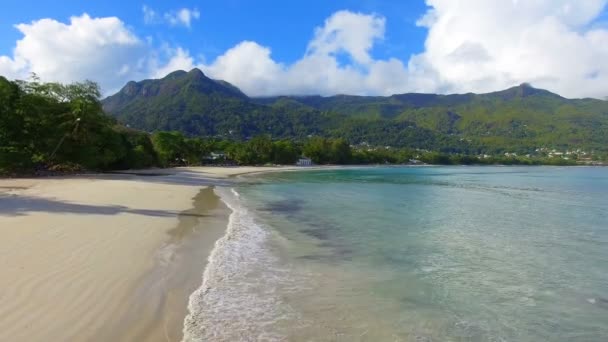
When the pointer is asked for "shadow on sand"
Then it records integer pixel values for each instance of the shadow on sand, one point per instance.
(19, 205)
(16, 205)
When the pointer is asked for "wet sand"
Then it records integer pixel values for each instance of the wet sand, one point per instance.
(159, 303)
(106, 257)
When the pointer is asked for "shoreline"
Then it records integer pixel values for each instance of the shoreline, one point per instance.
(110, 256)
(163, 291)
(234, 171)
(82, 255)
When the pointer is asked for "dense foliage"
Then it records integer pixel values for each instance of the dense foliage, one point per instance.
(52, 126)
(196, 105)
(48, 124)
(520, 120)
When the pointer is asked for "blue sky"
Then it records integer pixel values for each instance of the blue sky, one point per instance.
(270, 47)
(286, 26)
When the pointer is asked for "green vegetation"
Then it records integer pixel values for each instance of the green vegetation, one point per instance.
(191, 103)
(46, 125)
(517, 120)
(191, 120)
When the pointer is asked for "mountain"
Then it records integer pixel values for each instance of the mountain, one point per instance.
(186, 101)
(177, 83)
(521, 116)
(192, 103)
(516, 119)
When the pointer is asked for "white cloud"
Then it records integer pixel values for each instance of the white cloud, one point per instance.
(12, 68)
(150, 15)
(100, 49)
(181, 17)
(482, 45)
(344, 36)
(348, 32)
(178, 59)
(473, 45)
(251, 59)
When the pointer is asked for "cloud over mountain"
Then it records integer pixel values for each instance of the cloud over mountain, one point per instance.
(481, 45)
(472, 45)
(337, 60)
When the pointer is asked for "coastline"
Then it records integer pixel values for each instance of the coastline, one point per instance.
(108, 256)
(111, 256)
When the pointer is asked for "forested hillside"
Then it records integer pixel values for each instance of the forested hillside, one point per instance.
(182, 118)
(517, 119)
(520, 119)
(49, 128)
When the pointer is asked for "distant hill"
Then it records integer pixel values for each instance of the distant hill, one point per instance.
(516, 119)
(509, 119)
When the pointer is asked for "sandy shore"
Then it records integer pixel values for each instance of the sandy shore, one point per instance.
(106, 257)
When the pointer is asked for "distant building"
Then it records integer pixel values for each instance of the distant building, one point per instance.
(218, 155)
(304, 162)
(217, 158)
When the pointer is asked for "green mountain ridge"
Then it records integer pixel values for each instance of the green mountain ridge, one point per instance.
(517, 119)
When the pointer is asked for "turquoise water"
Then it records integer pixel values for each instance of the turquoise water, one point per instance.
(413, 254)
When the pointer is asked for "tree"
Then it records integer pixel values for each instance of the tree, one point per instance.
(436, 158)
(284, 152)
(317, 149)
(15, 151)
(261, 149)
(340, 152)
(170, 147)
(241, 153)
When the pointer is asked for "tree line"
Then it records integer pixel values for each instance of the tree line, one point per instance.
(52, 125)
(59, 127)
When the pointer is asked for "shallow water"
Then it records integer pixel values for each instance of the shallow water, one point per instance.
(411, 254)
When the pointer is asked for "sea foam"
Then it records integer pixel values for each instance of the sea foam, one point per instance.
(238, 299)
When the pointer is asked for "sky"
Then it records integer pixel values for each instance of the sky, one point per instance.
(361, 47)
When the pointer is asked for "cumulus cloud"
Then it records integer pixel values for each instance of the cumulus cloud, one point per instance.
(104, 50)
(181, 17)
(100, 49)
(348, 32)
(482, 45)
(177, 59)
(345, 36)
(472, 45)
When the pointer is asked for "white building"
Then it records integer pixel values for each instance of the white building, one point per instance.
(304, 162)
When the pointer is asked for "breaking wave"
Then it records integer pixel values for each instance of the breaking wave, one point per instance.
(238, 299)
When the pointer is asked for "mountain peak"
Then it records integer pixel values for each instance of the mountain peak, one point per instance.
(175, 74)
(196, 72)
(524, 90)
(179, 86)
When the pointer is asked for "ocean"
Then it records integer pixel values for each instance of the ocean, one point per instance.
(410, 254)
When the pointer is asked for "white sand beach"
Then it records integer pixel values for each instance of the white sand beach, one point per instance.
(106, 257)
